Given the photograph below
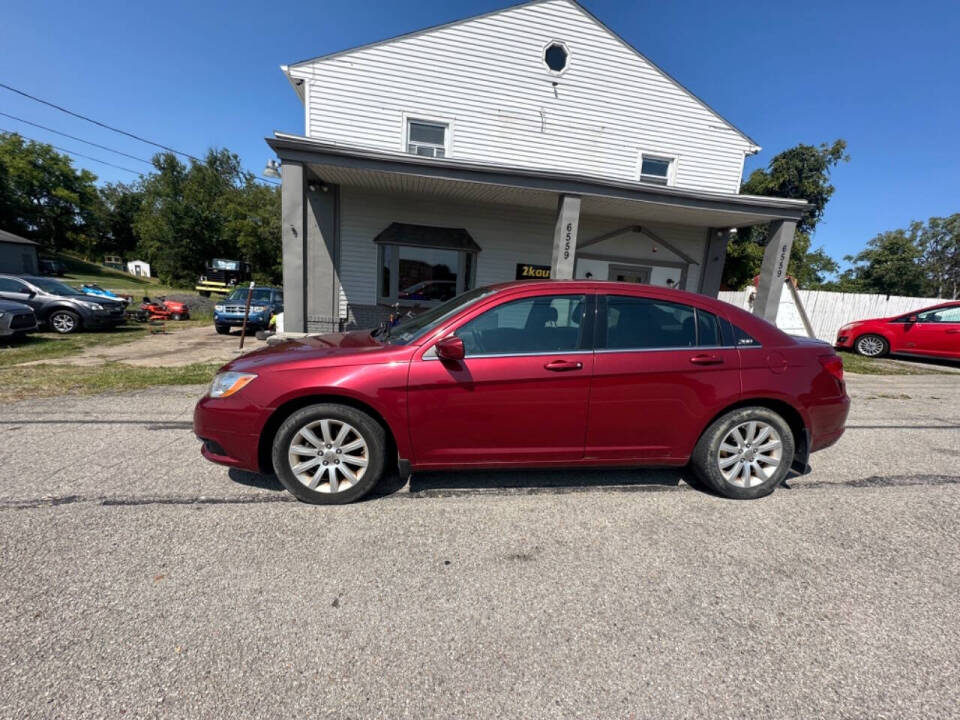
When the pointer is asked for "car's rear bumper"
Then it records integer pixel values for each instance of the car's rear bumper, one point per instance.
(224, 427)
(828, 422)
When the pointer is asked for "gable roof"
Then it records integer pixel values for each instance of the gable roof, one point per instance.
(9, 237)
(432, 28)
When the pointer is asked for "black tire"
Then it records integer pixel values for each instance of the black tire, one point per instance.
(203, 293)
(222, 329)
(176, 316)
(63, 322)
(872, 345)
(705, 458)
(366, 427)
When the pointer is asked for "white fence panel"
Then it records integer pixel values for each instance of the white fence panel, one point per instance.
(829, 311)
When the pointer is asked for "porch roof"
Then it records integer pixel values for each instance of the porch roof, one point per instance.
(488, 183)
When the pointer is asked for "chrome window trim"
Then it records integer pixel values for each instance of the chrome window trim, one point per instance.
(692, 348)
(428, 356)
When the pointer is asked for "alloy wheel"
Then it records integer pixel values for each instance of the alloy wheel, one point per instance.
(328, 455)
(63, 323)
(750, 454)
(870, 345)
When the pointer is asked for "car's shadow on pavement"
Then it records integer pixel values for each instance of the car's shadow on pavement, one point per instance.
(467, 482)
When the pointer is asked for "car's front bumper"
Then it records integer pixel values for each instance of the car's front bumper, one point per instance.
(259, 320)
(17, 323)
(229, 429)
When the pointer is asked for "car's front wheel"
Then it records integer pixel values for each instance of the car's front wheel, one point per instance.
(329, 454)
(64, 321)
(745, 453)
(871, 346)
(222, 329)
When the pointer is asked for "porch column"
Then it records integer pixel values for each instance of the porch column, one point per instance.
(776, 257)
(565, 237)
(293, 240)
(711, 272)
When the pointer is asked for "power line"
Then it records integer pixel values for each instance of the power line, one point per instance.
(86, 157)
(97, 122)
(108, 127)
(74, 137)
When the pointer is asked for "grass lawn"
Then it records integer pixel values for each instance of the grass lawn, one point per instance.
(19, 383)
(860, 365)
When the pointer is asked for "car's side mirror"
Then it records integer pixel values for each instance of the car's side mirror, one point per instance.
(450, 348)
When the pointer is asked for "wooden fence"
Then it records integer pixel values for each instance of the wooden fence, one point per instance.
(829, 311)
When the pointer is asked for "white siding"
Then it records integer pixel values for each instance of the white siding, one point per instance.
(507, 235)
(486, 77)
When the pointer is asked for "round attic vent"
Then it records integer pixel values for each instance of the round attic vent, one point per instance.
(555, 56)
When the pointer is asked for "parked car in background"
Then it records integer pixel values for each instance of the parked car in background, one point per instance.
(525, 374)
(49, 266)
(264, 304)
(60, 307)
(16, 319)
(931, 332)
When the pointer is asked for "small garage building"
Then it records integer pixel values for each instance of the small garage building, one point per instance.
(18, 255)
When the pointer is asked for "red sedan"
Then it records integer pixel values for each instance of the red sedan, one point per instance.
(933, 332)
(532, 374)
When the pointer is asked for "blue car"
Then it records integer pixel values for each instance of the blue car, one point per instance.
(264, 304)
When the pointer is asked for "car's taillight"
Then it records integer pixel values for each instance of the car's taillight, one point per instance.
(833, 364)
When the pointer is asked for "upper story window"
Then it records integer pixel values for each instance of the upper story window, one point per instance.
(555, 56)
(427, 138)
(657, 169)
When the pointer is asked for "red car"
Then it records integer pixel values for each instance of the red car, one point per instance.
(933, 331)
(532, 374)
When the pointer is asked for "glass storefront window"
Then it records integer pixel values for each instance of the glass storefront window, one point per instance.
(423, 275)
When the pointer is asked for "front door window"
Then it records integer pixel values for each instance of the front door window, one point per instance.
(536, 325)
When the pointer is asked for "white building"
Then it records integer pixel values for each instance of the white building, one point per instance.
(138, 267)
(526, 141)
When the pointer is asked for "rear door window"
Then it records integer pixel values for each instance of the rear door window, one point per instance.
(637, 323)
(535, 325)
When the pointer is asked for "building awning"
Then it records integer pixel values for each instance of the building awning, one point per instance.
(476, 182)
(427, 236)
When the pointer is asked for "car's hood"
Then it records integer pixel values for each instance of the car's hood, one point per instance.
(8, 306)
(352, 348)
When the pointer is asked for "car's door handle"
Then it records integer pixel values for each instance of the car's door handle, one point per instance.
(563, 365)
(705, 359)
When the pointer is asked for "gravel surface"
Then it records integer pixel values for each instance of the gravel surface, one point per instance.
(140, 581)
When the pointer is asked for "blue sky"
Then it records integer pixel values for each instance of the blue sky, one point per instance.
(882, 75)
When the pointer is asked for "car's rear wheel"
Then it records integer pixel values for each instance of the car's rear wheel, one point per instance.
(871, 345)
(64, 321)
(329, 454)
(745, 453)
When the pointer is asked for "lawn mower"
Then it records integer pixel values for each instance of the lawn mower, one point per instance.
(162, 309)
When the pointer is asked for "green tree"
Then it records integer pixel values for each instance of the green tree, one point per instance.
(939, 243)
(213, 208)
(43, 197)
(802, 172)
(120, 204)
(891, 264)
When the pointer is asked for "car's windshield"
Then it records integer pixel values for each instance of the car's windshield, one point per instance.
(221, 264)
(415, 327)
(260, 295)
(54, 287)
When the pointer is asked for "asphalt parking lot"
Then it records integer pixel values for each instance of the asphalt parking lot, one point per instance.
(140, 581)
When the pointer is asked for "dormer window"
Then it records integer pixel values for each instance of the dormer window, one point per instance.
(555, 56)
(427, 138)
(657, 169)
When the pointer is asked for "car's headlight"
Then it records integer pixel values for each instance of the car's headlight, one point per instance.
(219, 308)
(91, 305)
(228, 383)
(258, 309)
